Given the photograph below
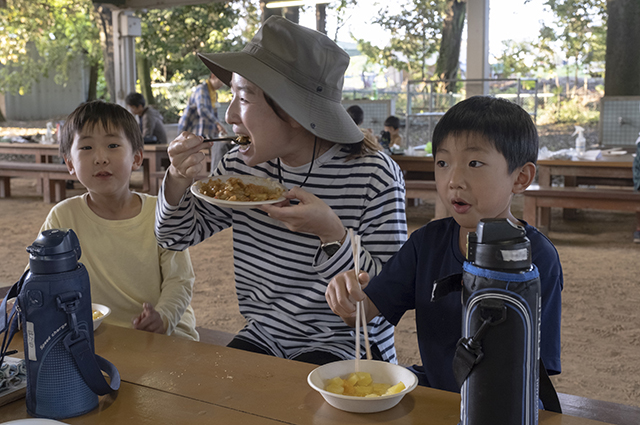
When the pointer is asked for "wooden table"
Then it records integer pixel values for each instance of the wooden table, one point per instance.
(608, 171)
(155, 158)
(410, 163)
(169, 380)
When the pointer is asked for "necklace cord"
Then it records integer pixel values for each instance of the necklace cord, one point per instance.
(313, 158)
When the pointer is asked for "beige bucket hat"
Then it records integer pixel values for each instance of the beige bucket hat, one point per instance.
(301, 69)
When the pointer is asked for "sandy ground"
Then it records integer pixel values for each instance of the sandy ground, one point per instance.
(601, 317)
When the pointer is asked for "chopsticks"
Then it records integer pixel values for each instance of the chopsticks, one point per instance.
(360, 314)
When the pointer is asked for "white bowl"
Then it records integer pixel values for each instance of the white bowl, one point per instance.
(381, 372)
(102, 309)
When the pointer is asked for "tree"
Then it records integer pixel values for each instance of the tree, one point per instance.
(449, 54)
(622, 76)
(516, 58)
(421, 29)
(40, 37)
(581, 25)
(415, 33)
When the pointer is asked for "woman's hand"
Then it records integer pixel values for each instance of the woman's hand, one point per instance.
(187, 163)
(149, 320)
(311, 215)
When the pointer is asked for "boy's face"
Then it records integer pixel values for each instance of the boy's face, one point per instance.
(391, 130)
(252, 116)
(473, 180)
(103, 159)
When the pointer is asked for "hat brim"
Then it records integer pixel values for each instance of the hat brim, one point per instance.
(323, 117)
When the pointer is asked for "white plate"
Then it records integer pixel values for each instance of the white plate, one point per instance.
(272, 184)
(102, 309)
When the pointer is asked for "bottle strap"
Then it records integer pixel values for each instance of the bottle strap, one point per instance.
(547, 392)
(91, 365)
(7, 326)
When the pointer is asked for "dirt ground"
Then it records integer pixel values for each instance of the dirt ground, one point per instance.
(600, 328)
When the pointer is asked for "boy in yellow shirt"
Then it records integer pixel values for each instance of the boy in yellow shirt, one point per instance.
(147, 287)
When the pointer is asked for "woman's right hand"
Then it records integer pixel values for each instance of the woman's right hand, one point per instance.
(187, 163)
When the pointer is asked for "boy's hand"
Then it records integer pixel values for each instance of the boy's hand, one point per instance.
(149, 320)
(344, 291)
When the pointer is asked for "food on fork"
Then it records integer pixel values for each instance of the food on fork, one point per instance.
(360, 384)
(234, 189)
(242, 140)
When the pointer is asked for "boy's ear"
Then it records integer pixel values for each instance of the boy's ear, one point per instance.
(138, 156)
(69, 165)
(524, 178)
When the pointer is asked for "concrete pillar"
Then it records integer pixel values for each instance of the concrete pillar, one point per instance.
(126, 28)
(477, 46)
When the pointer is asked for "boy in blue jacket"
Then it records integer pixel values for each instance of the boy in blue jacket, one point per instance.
(485, 152)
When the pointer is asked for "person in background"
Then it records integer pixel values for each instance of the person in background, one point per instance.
(485, 153)
(147, 287)
(289, 107)
(392, 125)
(151, 122)
(357, 114)
(636, 186)
(200, 117)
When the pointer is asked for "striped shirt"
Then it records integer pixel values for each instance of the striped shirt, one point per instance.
(281, 276)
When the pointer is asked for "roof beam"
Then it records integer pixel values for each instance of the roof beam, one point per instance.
(155, 4)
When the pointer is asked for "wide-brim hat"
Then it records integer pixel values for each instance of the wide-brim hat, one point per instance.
(301, 69)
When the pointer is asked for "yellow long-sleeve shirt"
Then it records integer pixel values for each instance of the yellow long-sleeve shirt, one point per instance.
(127, 267)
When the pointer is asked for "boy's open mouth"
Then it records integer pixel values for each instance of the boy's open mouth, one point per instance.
(103, 174)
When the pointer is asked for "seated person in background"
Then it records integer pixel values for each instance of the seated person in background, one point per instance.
(636, 186)
(357, 115)
(286, 253)
(392, 125)
(147, 287)
(151, 122)
(485, 152)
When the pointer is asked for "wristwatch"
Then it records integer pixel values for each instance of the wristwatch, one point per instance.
(330, 248)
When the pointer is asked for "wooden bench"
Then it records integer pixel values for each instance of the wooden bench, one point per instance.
(425, 189)
(52, 176)
(598, 410)
(214, 336)
(538, 201)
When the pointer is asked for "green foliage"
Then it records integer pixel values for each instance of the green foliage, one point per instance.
(415, 38)
(516, 59)
(39, 37)
(172, 37)
(569, 111)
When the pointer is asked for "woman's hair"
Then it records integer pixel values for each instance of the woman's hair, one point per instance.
(366, 146)
(109, 115)
(503, 123)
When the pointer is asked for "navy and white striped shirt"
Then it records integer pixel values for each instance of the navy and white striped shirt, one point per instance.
(281, 276)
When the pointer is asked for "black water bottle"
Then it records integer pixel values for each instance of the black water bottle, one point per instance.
(497, 358)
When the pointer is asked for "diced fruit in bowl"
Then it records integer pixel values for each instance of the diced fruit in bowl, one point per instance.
(99, 313)
(376, 387)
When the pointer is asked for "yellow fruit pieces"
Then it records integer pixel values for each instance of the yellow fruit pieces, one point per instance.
(360, 384)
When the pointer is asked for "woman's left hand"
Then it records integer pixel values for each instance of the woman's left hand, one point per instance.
(311, 215)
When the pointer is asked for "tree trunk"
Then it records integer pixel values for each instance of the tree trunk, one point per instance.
(144, 75)
(321, 18)
(449, 55)
(93, 83)
(105, 24)
(622, 74)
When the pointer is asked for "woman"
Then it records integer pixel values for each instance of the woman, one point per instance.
(287, 88)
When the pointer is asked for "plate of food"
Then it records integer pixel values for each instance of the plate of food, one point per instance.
(99, 312)
(239, 191)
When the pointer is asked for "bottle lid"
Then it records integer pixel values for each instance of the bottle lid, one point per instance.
(499, 244)
(54, 251)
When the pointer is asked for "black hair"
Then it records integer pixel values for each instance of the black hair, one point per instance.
(505, 124)
(135, 99)
(356, 113)
(392, 121)
(110, 115)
